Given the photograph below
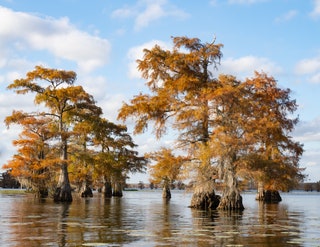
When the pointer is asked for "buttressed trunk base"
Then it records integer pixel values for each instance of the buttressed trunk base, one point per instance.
(205, 200)
(117, 191)
(269, 196)
(63, 190)
(166, 193)
(204, 197)
(107, 189)
(231, 200)
(86, 191)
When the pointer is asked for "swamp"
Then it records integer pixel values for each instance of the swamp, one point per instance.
(143, 218)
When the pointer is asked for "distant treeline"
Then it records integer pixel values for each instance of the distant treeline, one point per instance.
(310, 186)
(141, 185)
(7, 181)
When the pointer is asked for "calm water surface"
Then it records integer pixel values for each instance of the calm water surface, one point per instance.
(143, 218)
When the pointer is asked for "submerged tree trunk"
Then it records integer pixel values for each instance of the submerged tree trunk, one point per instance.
(260, 192)
(272, 196)
(231, 198)
(117, 191)
(267, 195)
(40, 192)
(40, 188)
(63, 190)
(43, 193)
(166, 193)
(204, 196)
(107, 189)
(85, 190)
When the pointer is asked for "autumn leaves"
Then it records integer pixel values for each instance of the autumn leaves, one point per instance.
(227, 129)
(232, 128)
(68, 135)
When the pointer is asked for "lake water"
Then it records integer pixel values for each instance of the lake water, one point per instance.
(143, 218)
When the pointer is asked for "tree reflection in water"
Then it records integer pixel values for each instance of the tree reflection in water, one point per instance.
(145, 219)
(268, 225)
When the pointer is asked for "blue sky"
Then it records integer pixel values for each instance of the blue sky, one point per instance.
(100, 41)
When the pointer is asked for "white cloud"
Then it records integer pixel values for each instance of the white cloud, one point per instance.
(137, 53)
(14, 68)
(94, 85)
(287, 16)
(110, 105)
(316, 10)
(152, 12)
(309, 67)
(8, 102)
(147, 11)
(22, 31)
(308, 131)
(6, 147)
(124, 12)
(245, 66)
(310, 161)
(315, 78)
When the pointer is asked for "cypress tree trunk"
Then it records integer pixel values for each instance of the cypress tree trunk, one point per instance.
(166, 193)
(117, 191)
(43, 193)
(267, 195)
(107, 189)
(204, 196)
(260, 193)
(272, 196)
(40, 192)
(85, 190)
(63, 190)
(231, 198)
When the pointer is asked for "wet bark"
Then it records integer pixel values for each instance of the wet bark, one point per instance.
(43, 193)
(86, 191)
(231, 198)
(117, 191)
(63, 190)
(267, 195)
(272, 196)
(204, 196)
(107, 189)
(205, 200)
(40, 192)
(166, 193)
(260, 193)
